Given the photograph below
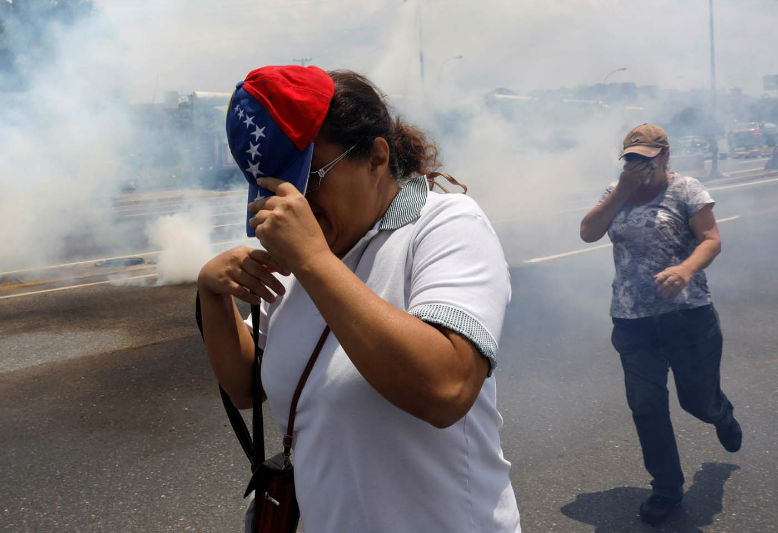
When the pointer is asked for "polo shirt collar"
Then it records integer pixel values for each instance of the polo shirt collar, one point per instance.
(406, 206)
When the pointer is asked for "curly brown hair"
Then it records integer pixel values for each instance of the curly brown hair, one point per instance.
(358, 114)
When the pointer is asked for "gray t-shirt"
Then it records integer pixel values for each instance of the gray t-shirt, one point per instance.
(649, 238)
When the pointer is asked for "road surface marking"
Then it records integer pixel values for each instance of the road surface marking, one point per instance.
(763, 174)
(116, 280)
(724, 187)
(70, 278)
(593, 248)
(744, 170)
(227, 225)
(35, 269)
(565, 254)
(589, 206)
(76, 286)
(87, 261)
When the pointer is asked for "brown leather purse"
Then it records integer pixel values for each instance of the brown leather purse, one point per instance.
(275, 500)
(275, 508)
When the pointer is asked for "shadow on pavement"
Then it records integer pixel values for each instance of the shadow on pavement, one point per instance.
(617, 509)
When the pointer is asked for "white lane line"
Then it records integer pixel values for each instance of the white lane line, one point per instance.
(88, 261)
(48, 267)
(174, 196)
(744, 170)
(715, 188)
(586, 207)
(69, 287)
(713, 183)
(245, 240)
(114, 281)
(593, 248)
(228, 225)
(749, 184)
(151, 214)
(565, 254)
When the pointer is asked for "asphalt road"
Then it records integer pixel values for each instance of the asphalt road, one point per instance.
(110, 419)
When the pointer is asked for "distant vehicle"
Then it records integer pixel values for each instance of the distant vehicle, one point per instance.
(770, 132)
(693, 145)
(747, 142)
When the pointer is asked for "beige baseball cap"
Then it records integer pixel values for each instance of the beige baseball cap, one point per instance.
(646, 140)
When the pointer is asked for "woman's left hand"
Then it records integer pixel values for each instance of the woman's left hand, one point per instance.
(285, 225)
(672, 280)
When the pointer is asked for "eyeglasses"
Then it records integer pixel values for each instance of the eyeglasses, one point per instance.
(325, 169)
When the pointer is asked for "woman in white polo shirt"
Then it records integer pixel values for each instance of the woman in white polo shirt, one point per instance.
(397, 427)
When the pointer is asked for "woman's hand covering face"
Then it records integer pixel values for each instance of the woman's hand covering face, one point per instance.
(243, 272)
(636, 172)
(286, 226)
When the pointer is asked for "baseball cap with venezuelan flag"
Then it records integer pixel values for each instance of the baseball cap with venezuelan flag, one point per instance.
(273, 117)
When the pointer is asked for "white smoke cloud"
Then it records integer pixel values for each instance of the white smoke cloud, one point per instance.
(61, 137)
(184, 243)
(64, 137)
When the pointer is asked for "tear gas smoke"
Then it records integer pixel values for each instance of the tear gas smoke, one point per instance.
(184, 243)
(61, 137)
(526, 154)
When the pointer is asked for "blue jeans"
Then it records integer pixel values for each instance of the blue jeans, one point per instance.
(688, 341)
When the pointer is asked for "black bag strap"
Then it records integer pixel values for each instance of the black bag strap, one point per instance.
(239, 427)
(255, 448)
(236, 420)
(257, 424)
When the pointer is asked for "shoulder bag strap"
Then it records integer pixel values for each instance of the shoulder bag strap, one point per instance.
(299, 390)
(257, 423)
(236, 420)
(431, 183)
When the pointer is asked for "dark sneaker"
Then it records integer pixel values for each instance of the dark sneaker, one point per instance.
(730, 435)
(656, 508)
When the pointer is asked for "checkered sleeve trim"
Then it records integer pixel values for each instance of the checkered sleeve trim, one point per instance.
(462, 323)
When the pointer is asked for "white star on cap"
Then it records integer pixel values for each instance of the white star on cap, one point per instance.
(240, 113)
(253, 151)
(258, 132)
(249, 121)
(254, 169)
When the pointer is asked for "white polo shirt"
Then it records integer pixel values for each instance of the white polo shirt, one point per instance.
(362, 464)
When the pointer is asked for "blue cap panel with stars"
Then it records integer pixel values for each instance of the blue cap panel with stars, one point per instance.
(261, 149)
